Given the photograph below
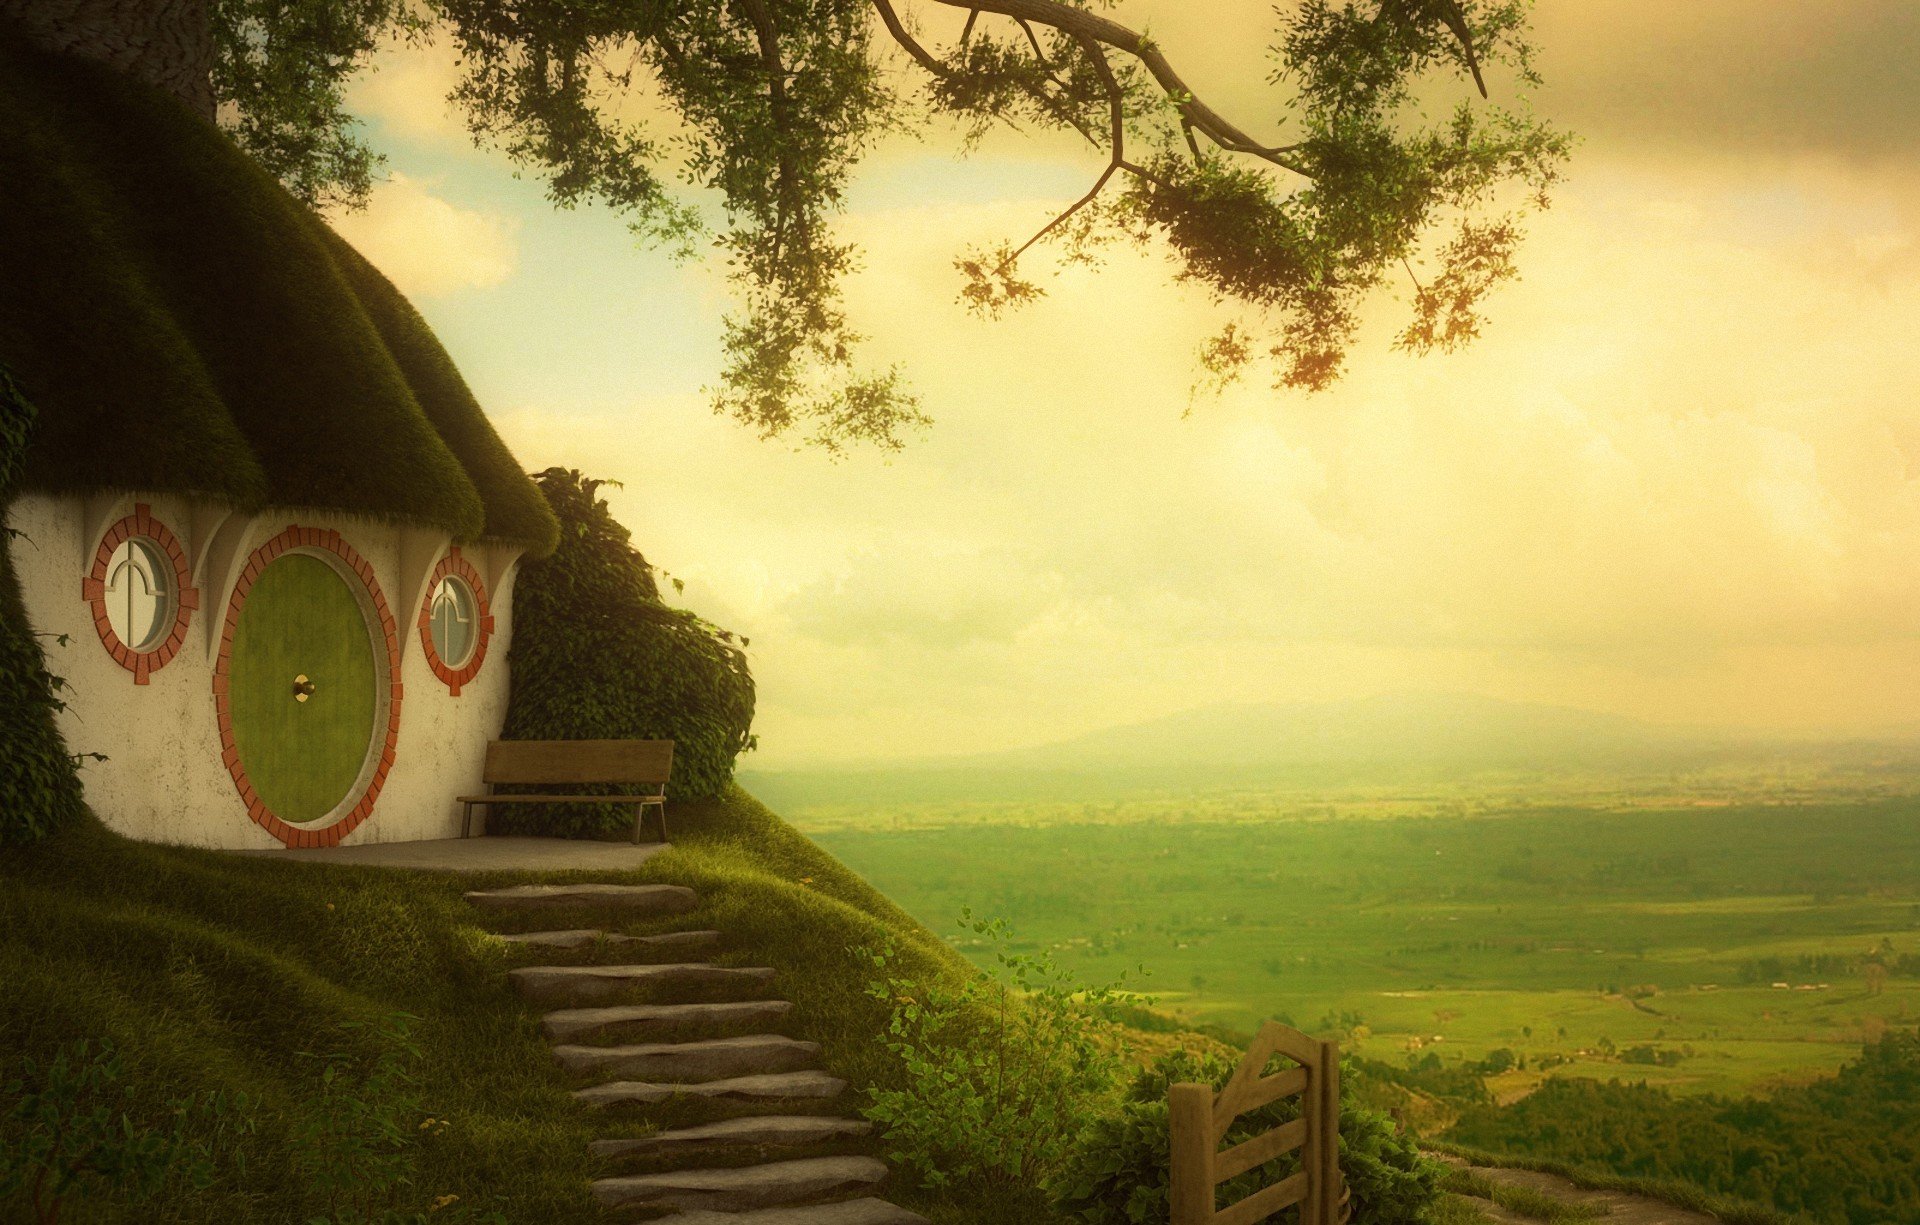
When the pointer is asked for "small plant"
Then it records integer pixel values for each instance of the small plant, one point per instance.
(358, 1143)
(77, 1131)
(999, 1072)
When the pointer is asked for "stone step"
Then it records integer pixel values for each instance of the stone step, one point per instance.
(628, 899)
(602, 984)
(648, 1020)
(846, 1212)
(745, 1188)
(586, 937)
(780, 1087)
(754, 1132)
(688, 1062)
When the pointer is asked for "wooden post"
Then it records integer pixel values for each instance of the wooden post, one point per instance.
(1313, 1209)
(1190, 1177)
(1327, 1126)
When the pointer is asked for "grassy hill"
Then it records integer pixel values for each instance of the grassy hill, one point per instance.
(219, 973)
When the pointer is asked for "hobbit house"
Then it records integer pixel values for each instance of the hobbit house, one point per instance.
(262, 517)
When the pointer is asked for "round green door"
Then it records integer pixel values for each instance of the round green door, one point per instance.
(303, 688)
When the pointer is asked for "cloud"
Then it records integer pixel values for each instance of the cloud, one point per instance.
(1669, 482)
(1678, 478)
(1730, 76)
(427, 245)
(404, 90)
(1645, 78)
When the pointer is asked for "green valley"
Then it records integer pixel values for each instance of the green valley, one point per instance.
(1708, 949)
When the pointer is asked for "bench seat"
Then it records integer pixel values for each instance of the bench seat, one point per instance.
(523, 763)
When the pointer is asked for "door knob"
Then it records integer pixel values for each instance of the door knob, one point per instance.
(302, 688)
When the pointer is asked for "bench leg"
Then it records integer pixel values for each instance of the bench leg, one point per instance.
(466, 821)
(640, 816)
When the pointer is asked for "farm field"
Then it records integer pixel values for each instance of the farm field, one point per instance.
(1706, 949)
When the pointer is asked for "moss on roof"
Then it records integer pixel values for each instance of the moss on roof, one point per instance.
(186, 325)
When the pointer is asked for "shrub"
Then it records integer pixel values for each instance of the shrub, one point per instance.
(597, 655)
(39, 789)
(999, 1071)
(74, 1127)
(1117, 1172)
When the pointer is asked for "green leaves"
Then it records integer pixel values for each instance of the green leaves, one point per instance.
(735, 126)
(1000, 1071)
(39, 786)
(282, 67)
(596, 654)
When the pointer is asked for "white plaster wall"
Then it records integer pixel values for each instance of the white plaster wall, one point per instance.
(443, 739)
(164, 780)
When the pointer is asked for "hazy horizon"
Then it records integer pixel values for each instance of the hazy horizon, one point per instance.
(1678, 479)
(1721, 735)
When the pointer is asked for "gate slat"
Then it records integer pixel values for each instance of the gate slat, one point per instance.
(1239, 1099)
(1260, 1150)
(1263, 1204)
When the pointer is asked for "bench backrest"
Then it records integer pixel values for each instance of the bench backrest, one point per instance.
(578, 761)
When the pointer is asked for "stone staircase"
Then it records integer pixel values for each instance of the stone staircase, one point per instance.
(639, 1024)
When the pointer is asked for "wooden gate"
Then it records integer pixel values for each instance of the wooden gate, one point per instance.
(1200, 1119)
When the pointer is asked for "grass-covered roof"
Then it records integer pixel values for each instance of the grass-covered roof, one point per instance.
(184, 324)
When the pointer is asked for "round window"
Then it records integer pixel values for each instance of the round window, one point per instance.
(454, 621)
(140, 594)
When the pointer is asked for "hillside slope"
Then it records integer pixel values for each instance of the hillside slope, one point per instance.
(215, 972)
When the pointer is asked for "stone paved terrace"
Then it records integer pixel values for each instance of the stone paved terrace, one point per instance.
(481, 854)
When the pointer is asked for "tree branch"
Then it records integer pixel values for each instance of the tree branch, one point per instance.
(768, 36)
(1117, 144)
(905, 38)
(1456, 22)
(939, 68)
(1081, 23)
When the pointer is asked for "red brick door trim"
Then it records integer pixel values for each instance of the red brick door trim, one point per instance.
(308, 540)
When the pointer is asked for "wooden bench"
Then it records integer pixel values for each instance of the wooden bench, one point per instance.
(561, 762)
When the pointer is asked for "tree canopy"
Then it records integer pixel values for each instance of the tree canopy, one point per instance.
(774, 102)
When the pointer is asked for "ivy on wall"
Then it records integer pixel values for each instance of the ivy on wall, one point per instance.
(596, 654)
(39, 789)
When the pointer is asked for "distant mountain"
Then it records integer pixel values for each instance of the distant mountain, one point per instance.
(1400, 731)
(1393, 740)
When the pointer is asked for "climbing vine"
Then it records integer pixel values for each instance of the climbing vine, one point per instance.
(39, 788)
(597, 654)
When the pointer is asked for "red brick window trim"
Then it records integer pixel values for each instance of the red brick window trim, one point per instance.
(141, 525)
(455, 566)
(308, 540)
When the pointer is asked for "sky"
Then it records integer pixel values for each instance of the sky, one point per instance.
(1678, 478)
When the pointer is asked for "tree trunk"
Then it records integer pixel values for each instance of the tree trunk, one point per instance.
(168, 43)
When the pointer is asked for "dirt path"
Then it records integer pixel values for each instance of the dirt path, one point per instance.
(1618, 1207)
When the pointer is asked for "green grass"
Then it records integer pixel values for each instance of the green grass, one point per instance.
(212, 971)
(1451, 1209)
(1528, 930)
